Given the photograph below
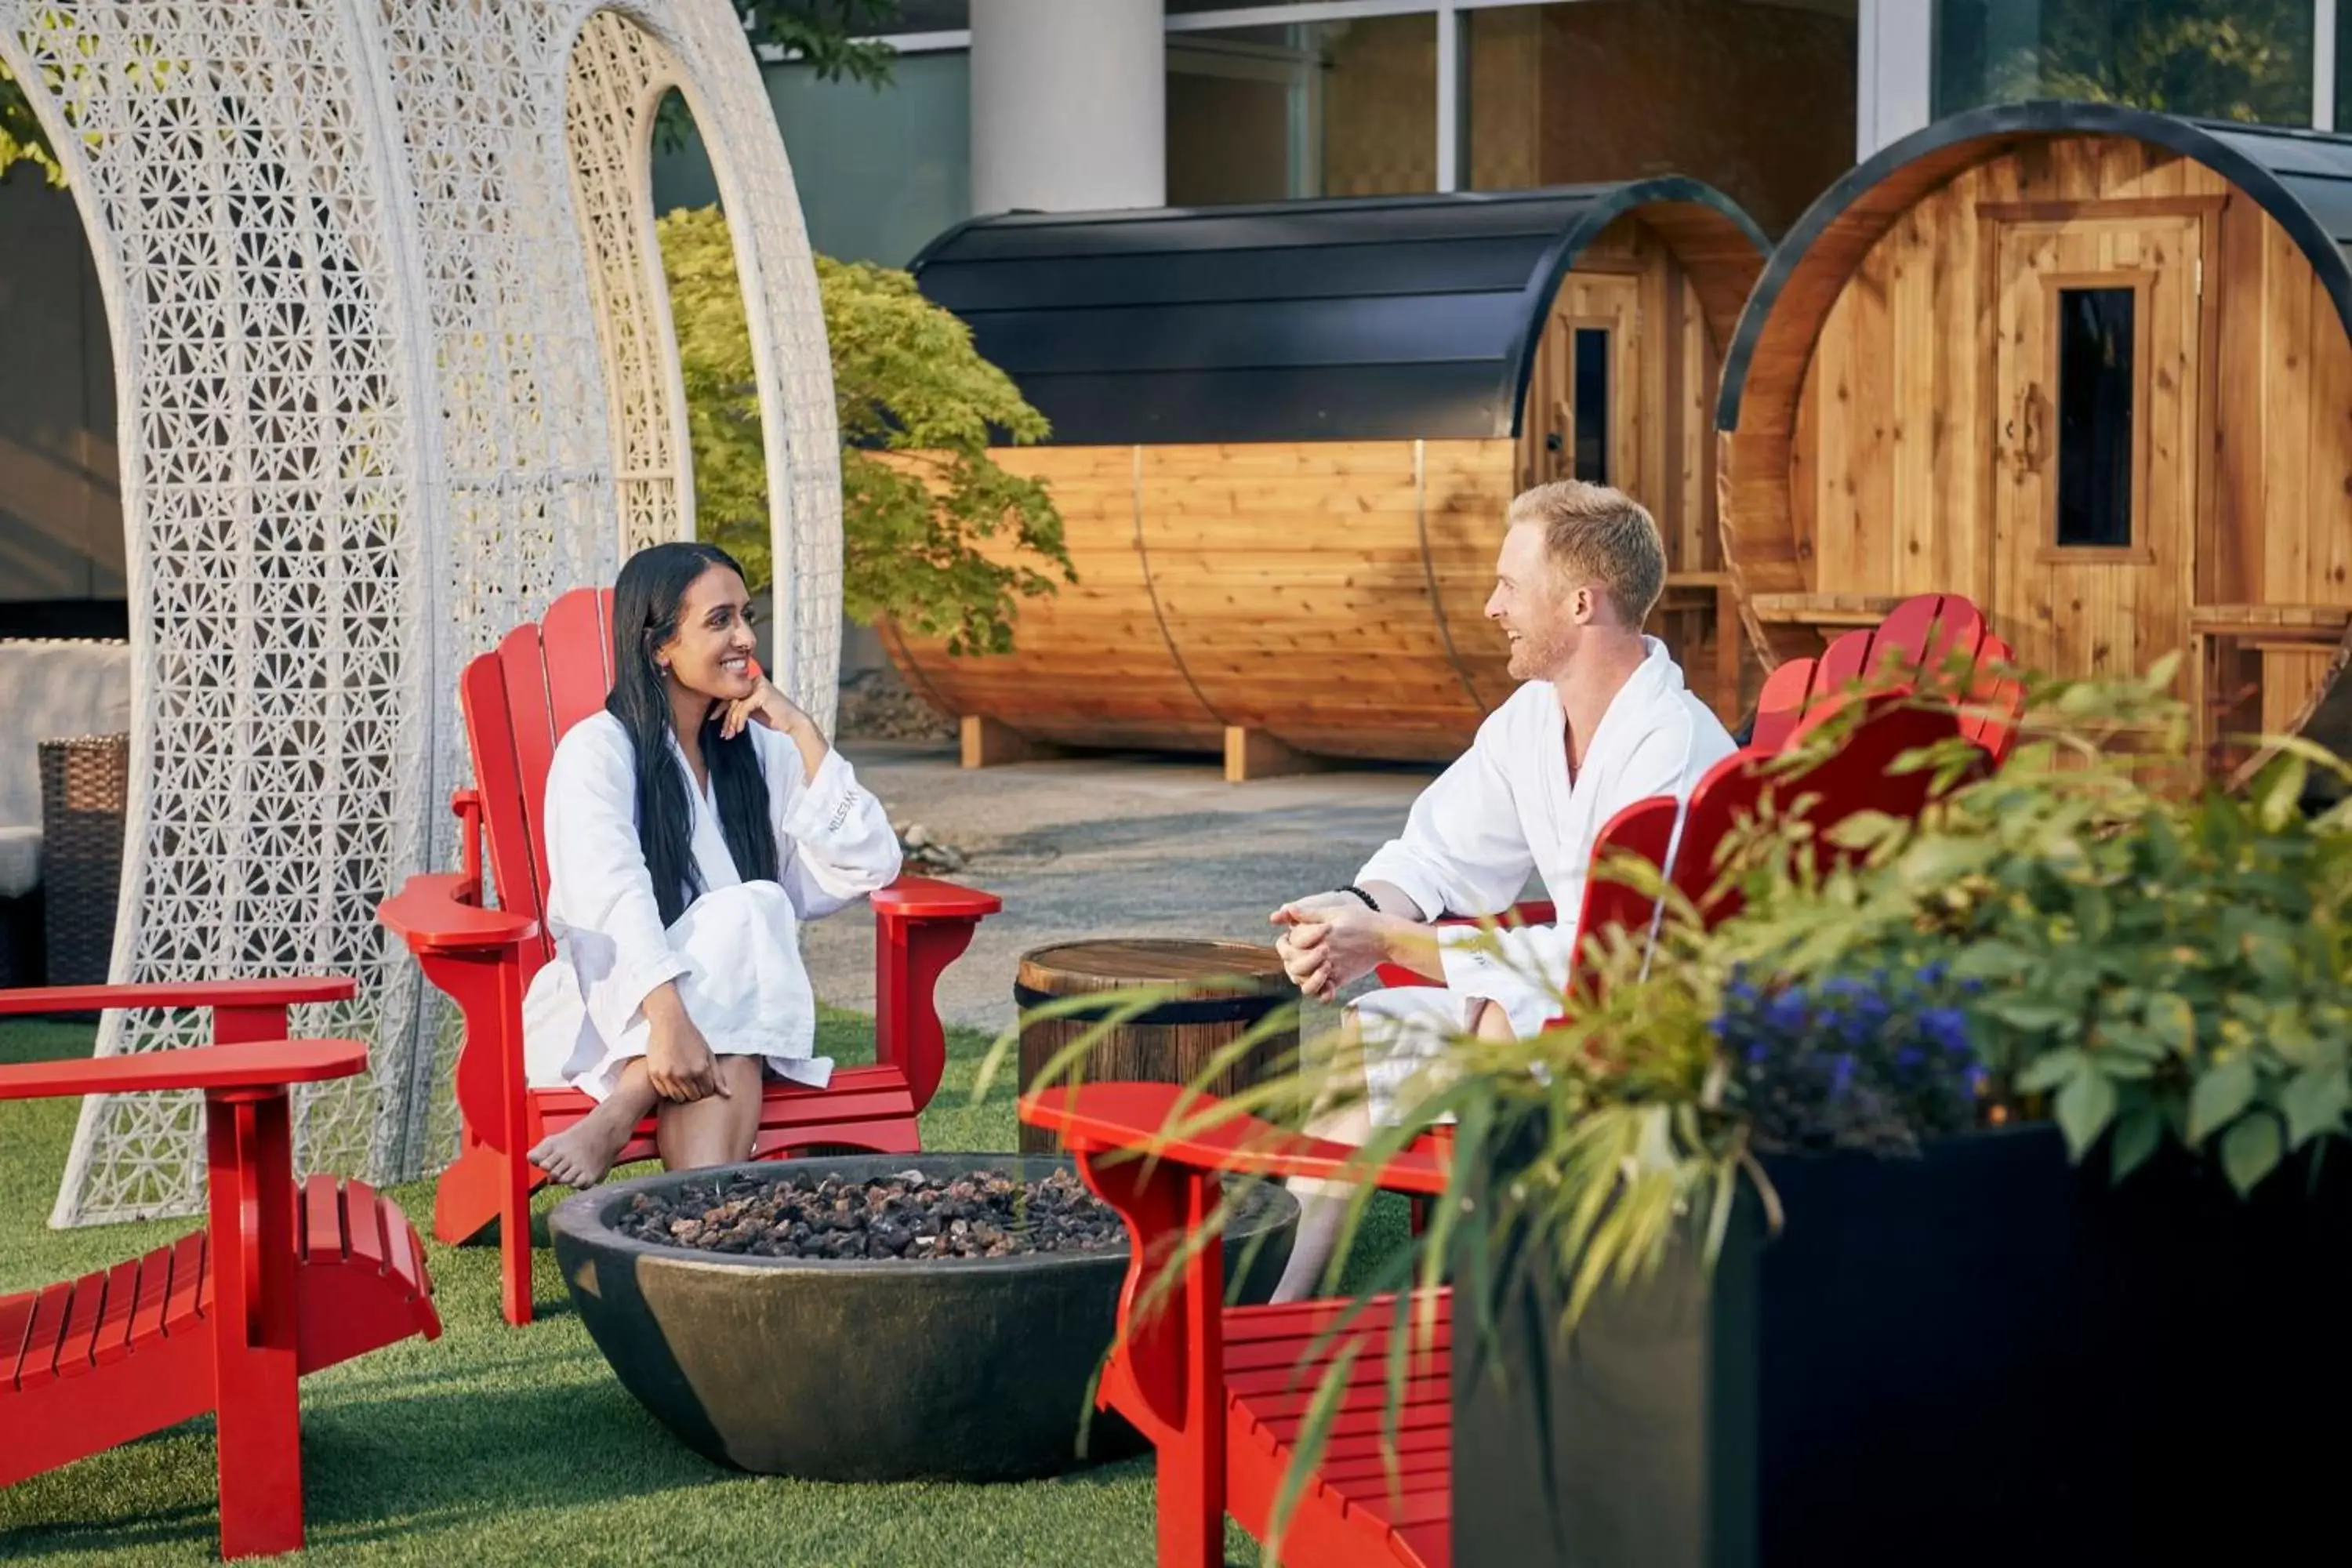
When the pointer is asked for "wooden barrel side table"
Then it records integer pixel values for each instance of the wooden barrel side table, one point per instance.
(1230, 987)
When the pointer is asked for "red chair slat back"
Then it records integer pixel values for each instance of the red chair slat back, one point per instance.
(1645, 828)
(1781, 703)
(579, 641)
(1845, 661)
(1996, 701)
(1915, 641)
(520, 699)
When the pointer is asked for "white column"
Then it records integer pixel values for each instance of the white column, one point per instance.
(2325, 20)
(1895, 58)
(1069, 105)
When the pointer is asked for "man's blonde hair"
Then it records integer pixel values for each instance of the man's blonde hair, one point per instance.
(1595, 534)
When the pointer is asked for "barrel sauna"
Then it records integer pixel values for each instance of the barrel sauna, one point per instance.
(1285, 438)
(2088, 365)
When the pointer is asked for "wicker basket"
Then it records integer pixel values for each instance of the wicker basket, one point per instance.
(85, 793)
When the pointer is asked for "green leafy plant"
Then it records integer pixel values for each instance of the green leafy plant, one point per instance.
(22, 140)
(918, 410)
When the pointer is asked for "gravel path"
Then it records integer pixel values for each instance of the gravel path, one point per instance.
(1108, 845)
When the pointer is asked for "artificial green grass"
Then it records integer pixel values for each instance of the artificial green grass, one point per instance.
(499, 1445)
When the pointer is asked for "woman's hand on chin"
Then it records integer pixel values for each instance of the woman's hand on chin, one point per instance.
(768, 706)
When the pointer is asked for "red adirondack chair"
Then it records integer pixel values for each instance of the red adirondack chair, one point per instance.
(284, 1279)
(1220, 1390)
(1910, 648)
(518, 701)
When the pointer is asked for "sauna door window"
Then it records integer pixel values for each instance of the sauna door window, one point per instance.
(1590, 403)
(2097, 367)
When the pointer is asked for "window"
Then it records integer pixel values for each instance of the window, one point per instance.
(880, 173)
(2227, 60)
(2095, 384)
(1590, 369)
(1311, 108)
(1757, 100)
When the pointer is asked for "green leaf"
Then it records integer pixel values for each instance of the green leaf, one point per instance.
(2084, 1107)
(2249, 1150)
(2048, 1072)
(2136, 1137)
(1992, 960)
(2314, 1102)
(2226, 1089)
(1863, 829)
(2278, 793)
(2030, 1015)
(2172, 1020)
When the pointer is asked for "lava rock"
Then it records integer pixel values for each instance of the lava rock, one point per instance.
(982, 1214)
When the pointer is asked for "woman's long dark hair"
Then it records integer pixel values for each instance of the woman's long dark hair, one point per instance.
(646, 602)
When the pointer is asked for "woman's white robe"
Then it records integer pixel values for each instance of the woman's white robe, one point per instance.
(1507, 807)
(735, 950)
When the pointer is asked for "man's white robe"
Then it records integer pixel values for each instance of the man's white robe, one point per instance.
(735, 950)
(1507, 807)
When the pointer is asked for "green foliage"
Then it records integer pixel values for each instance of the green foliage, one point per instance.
(920, 495)
(22, 140)
(819, 33)
(815, 33)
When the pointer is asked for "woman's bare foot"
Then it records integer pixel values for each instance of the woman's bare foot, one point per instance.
(582, 1155)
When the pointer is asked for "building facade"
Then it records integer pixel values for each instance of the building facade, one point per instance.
(1071, 105)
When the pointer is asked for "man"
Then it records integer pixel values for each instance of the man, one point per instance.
(1602, 720)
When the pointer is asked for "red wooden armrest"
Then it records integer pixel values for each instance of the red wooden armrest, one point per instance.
(929, 899)
(257, 1064)
(283, 992)
(437, 913)
(1533, 912)
(1163, 1120)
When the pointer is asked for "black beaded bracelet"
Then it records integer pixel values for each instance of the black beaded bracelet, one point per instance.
(1370, 902)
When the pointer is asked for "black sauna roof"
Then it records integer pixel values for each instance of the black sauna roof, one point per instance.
(2302, 178)
(1366, 319)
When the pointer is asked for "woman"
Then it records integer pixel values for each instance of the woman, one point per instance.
(690, 827)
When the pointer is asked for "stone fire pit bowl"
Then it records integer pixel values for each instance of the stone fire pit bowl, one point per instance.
(870, 1369)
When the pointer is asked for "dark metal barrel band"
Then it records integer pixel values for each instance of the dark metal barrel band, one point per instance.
(1165, 1015)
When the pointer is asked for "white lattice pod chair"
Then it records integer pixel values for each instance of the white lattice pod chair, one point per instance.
(394, 368)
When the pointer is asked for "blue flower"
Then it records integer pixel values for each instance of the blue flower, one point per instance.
(1908, 1057)
(1841, 1077)
(1948, 1028)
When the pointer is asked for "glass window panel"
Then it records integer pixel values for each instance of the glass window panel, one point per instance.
(1755, 98)
(2095, 386)
(2226, 59)
(881, 171)
(1592, 395)
(1320, 109)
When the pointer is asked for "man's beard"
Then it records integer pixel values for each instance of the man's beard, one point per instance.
(1533, 660)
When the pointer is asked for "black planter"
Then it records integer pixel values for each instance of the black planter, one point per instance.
(970, 1369)
(1981, 1356)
